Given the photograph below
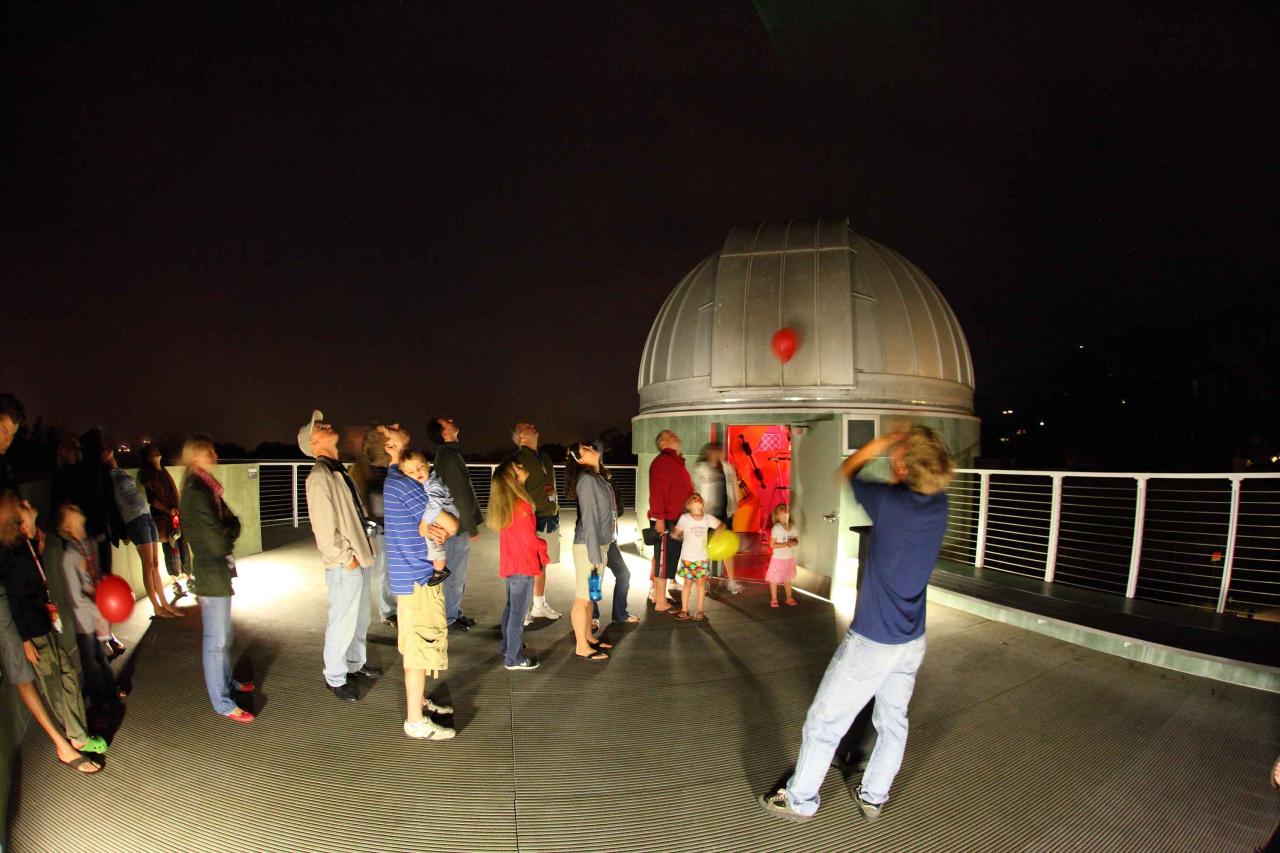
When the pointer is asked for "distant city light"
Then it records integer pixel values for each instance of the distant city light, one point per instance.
(1122, 401)
(1082, 346)
(1007, 412)
(1275, 459)
(1042, 423)
(1004, 439)
(123, 448)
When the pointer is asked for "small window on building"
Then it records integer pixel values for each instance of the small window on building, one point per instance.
(859, 430)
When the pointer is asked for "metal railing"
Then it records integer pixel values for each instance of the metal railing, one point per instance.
(282, 492)
(1205, 540)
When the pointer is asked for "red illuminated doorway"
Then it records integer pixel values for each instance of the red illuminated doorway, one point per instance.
(761, 457)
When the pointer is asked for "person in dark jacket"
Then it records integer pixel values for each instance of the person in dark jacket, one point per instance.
(93, 493)
(39, 625)
(541, 488)
(210, 530)
(162, 498)
(452, 468)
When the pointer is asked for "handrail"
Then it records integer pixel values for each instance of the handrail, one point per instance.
(1226, 539)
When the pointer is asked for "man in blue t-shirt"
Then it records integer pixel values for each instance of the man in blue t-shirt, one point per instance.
(880, 655)
(420, 624)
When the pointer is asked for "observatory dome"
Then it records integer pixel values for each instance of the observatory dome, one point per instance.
(874, 331)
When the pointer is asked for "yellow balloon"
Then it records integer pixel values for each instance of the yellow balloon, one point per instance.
(723, 545)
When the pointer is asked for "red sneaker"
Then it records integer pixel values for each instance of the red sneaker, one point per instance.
(245, 687)
(239, 715)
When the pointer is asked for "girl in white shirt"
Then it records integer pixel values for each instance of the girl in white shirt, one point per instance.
(782, 565)
(693, 528)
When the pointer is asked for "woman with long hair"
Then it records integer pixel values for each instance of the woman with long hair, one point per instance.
(521, 556)
(595, 544)
(140, 529)
(211, 529)
(162, 496)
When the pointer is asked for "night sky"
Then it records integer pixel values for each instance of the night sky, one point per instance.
(215, 219)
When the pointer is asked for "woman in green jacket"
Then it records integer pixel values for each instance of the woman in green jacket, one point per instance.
(210, 529)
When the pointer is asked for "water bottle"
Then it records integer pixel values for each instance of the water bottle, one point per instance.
(594, 585)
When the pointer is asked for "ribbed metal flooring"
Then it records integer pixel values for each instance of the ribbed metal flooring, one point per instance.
(1018, 742)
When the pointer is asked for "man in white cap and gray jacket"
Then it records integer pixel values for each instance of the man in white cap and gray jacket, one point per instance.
(342, 532)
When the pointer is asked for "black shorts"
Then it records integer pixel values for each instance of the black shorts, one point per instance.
(666, 558)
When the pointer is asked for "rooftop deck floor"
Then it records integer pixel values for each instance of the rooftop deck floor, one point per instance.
(1018, 742)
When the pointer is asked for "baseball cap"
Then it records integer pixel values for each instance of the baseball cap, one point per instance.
(304, 432)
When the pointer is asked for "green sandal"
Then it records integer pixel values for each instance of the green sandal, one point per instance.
(94, 744)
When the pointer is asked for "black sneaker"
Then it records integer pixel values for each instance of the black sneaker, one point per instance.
(346, 692)
(367, 671)
(527, 663)
(459, 626)
(471, 623)
(392, 621)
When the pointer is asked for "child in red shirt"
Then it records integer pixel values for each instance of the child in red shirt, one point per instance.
(521, 556)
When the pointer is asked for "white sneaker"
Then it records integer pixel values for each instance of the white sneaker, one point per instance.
(528, 619)
(544, 610)
(734, 587)
(426, 729)
(443, 710)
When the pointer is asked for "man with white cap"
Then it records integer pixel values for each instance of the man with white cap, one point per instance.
(342, 532)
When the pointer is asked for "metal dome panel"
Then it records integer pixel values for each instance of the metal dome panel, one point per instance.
(873, 328)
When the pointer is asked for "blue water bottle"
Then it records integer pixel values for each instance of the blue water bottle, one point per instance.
(594, 586)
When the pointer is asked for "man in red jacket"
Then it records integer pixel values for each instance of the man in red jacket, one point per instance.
(669, 487)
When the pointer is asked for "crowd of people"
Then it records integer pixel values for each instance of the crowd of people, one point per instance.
(395, 531)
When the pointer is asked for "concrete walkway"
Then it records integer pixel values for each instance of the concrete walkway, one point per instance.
(1018, 742)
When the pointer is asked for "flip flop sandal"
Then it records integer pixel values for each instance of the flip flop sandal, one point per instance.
(79, 762)
(699, 617)
(682, 615)
(632, 619)
(599, 644)
(791, 602)
(594, 656)
(773, 604)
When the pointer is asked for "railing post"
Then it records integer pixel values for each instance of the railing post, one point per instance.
(1230, 555)
(980, 547)
(293, 491)
(1135, 551)
(1055, 520)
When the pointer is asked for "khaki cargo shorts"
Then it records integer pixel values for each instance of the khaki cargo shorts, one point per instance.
(423, 633)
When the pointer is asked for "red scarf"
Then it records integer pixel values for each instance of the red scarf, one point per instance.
(214, 486)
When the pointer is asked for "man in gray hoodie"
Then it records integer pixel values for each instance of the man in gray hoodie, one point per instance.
(342, 531)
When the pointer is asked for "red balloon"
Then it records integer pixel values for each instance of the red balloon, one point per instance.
(784, 344)
(114, 598)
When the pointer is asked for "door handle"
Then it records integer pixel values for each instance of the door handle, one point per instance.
(832, 517)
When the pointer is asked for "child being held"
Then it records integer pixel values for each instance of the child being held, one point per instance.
(782, 565)
(695, 565)
(415, 465)
(93, 632)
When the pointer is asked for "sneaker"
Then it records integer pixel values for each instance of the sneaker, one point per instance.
(391, 620)
(527, 663)
(458, 626)
(432, 707)
(427, 729)
(734, 587)
(346, 692)
(367, 671)
(777, 804)
(545, 611)
(528, 619)
(870, 811)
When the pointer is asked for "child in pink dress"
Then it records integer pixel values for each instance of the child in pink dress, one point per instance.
(782, 565)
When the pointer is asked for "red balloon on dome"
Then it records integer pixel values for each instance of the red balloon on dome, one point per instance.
(784, 344)
(114, 598)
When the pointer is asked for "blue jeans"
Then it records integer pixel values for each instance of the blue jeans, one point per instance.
(621, 585)
(861, 669)
(218, 637)
(457, 555)
(519, 591)
(344, 635)
(379, 581)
